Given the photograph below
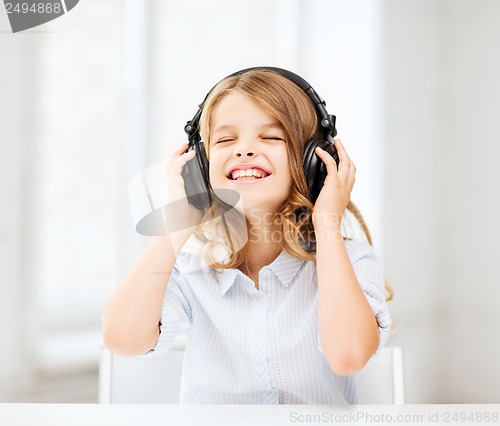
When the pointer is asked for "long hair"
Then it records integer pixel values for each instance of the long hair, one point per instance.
(283, 100)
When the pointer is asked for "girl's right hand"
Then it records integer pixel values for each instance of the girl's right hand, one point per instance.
(179, 213)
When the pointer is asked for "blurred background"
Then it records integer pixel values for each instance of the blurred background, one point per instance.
(89, 100)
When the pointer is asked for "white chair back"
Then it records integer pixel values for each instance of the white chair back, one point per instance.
(156, 379)
(382, 379)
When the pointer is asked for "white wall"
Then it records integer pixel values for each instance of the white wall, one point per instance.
(340, 52)
(441, 194)
(59, 166)
(14, 86)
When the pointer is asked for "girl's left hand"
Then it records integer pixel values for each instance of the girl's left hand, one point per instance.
(336, 192)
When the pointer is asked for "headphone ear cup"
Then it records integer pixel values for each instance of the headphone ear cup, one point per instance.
(314, 168)
(196, 178)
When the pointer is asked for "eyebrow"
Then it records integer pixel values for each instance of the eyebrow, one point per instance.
(263, 127)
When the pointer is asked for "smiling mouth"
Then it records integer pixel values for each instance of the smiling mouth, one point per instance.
(248, 175)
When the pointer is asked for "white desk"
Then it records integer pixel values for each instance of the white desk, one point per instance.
(239, 415)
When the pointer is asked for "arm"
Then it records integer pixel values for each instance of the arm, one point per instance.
(347, 326)
(131, 318)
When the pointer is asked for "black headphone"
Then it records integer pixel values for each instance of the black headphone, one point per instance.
(196, 171)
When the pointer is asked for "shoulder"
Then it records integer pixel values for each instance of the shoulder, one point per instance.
(358, 249)
(367, 264)
(190, 259)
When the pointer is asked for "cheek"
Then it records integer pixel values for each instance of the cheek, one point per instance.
(211, 172)
(285, 166)
(215, 170)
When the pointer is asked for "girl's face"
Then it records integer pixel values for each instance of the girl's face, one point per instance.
(248, 153)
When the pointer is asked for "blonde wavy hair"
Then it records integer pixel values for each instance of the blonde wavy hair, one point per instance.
(222, 230)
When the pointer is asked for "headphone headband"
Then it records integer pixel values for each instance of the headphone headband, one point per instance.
(326, 120)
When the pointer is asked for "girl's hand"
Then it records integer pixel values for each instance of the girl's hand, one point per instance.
(336, 192)
(179, 214)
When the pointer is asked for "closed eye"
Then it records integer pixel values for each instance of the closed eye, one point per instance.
(225, 140)
(272, 138)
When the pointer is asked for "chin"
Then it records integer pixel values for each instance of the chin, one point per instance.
(252, 203)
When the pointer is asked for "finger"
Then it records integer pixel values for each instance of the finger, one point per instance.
(345, 162)
(179, 162)
(331, 165)
(176, 162)
(351, 177)
(176, 154)
(180, 150)
(343, 157)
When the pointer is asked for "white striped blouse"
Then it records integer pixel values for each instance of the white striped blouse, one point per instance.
(260, 346)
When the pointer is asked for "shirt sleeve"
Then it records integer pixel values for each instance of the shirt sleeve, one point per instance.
(175, 315)
(369, 272)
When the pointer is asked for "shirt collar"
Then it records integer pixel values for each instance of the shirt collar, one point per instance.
(226, 278)
(285, 267)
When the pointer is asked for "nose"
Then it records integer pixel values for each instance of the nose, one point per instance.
(243, 153)
(244, 150)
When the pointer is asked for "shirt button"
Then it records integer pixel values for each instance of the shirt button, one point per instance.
(261, 370)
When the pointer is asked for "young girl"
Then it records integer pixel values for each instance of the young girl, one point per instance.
(291, 315)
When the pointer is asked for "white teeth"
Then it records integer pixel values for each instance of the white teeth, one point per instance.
(248, 173)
